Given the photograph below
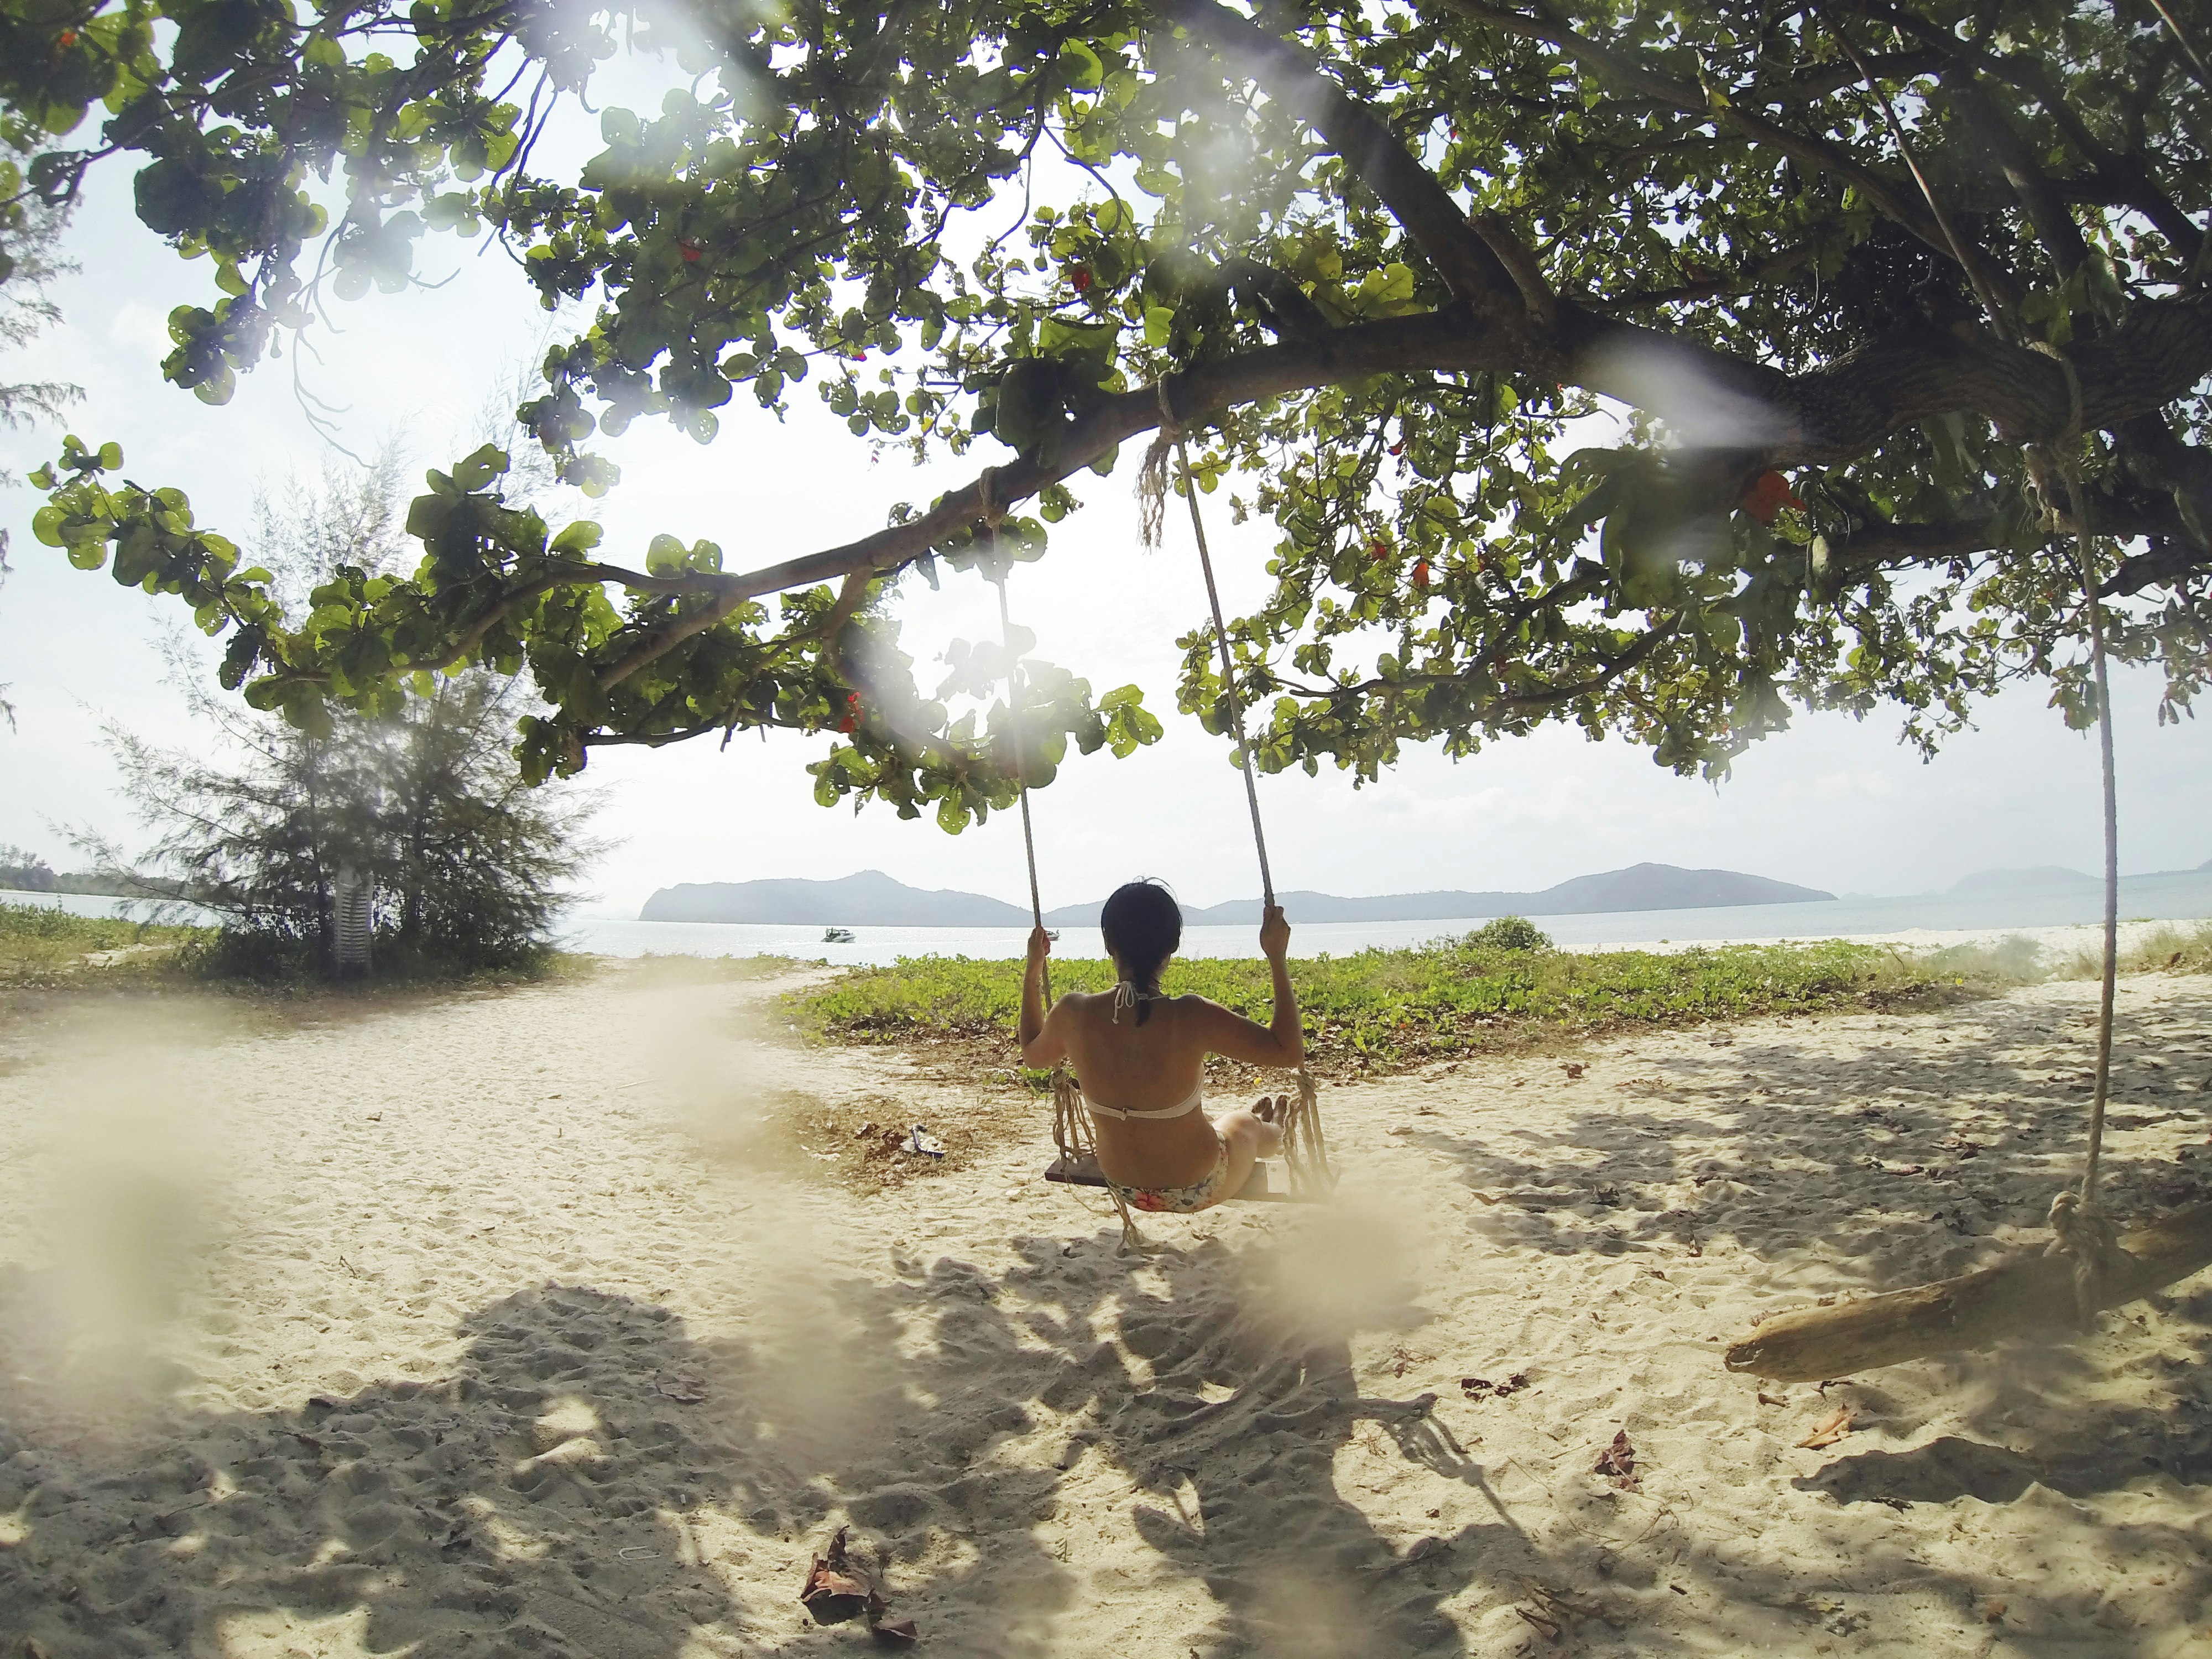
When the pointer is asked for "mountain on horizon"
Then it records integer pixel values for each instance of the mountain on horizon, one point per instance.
(869, 899)
(872, 899)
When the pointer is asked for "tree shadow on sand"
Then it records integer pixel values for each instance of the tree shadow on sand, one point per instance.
(593, 1480)
(1810, 1172)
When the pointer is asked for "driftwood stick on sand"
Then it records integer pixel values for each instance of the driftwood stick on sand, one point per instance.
(2025, 1292)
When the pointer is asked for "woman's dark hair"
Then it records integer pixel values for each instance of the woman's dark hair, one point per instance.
(1143, 925)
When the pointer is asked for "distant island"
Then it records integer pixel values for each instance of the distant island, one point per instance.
(872, 899)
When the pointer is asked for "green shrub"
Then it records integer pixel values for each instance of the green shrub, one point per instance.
(1508, 934)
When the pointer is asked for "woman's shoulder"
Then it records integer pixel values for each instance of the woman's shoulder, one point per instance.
(1189, 1004)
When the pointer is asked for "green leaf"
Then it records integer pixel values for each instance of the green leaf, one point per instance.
(581, 537)
(1084, 69)
(480, 468)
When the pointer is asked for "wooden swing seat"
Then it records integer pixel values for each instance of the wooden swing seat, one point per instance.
(1083, 1171)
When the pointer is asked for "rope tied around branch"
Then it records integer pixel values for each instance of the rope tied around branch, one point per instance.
(1153, 475)
(2082, 1232)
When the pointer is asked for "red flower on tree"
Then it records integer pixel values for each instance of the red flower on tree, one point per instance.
(1081, 277)
(1770, 492)
(689, 250)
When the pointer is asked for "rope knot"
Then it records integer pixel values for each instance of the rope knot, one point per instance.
(2084, 1232)
(1153, 475)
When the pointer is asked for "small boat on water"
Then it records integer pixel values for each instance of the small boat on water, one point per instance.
(836, 936)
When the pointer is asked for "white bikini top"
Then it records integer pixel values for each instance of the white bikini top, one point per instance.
(1190, 1104)
(1127, 995)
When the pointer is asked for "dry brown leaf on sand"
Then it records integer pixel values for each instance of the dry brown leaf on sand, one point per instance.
(1548, 1627)
(1553, 1608)
(835, 1589)
(1618, 1463)
(1481, 1388)
(1831, 1430)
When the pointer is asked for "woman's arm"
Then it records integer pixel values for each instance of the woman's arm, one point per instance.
(1281, 1042)
(1041, 1045)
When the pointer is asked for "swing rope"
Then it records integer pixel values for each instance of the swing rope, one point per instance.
(1071, 1131)
(2079, 1226)
(1305, 1148)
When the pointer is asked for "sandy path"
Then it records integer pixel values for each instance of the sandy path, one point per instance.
(522, 1324)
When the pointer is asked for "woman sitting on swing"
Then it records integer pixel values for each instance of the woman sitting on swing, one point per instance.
(1146, 1052)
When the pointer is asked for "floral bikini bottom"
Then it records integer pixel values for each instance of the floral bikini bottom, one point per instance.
(1180, 1200)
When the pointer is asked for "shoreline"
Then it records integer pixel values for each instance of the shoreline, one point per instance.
(2061, 937)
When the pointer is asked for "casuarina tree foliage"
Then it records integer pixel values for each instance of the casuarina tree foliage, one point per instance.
(466, 862)
(1845, 263)
(260, 820)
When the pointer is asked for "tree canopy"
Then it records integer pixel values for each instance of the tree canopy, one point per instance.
(1842, 262)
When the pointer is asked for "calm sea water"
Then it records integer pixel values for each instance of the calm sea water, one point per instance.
(2185, 897)
(2165, 897)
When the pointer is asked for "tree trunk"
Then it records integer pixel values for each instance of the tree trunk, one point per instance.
(2027, 1291)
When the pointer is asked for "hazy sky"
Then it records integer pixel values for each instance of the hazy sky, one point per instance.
(1834, 803)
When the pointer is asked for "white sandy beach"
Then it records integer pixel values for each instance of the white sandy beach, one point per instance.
(568, 1321)
(2056, 943)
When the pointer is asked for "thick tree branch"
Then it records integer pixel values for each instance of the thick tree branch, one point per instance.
(2174, 555)
(1410, 343)
(1750, 416)
(2158, 353)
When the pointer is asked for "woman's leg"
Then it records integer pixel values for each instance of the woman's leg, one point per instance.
(1248, 1138)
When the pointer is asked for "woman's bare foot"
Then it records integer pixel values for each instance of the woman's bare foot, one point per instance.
(1266, 1108)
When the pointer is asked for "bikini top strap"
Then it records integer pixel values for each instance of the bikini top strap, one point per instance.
(1127, 995)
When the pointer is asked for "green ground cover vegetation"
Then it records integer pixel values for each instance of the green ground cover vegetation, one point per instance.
(1383, 1010)
(39, 946)
(39, 943)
